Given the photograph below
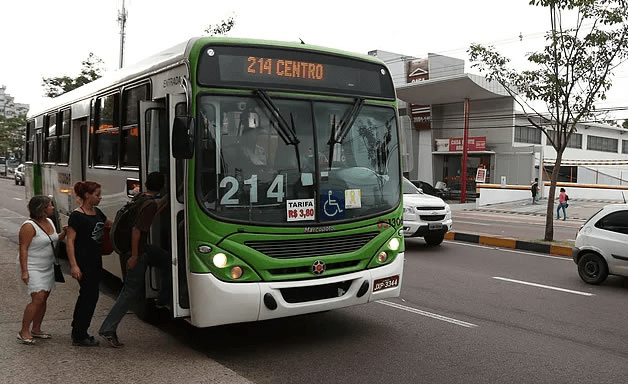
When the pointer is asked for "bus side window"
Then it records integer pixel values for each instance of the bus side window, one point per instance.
(130, 128)
(64, 138)
(105, 147)
(51, 139)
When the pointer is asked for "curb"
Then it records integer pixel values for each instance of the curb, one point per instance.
(504, 242)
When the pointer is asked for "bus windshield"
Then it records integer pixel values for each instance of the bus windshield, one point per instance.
(293, 161)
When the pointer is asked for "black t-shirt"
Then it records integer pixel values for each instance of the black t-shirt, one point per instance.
(89, 235)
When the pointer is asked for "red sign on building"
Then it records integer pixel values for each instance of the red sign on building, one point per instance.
(473, 144)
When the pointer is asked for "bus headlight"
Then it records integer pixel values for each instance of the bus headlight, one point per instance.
(382, 257)
(393, 244)
(220, 260)
(236, 272)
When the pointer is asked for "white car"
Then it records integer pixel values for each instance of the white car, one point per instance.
(601, 247)
(424, 215)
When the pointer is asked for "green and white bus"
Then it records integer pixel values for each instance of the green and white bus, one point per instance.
(282, 165)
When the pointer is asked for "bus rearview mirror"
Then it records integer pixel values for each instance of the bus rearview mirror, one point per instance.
(183, 137)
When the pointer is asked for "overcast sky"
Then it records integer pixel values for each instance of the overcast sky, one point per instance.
(43, 38)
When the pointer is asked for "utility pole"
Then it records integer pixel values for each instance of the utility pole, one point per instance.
(122, 21)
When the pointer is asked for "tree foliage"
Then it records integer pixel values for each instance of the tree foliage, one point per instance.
(221, 28)
(12, 131)
(587, 40)
(91, 69)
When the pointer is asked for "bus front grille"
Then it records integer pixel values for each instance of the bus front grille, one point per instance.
(323, 246)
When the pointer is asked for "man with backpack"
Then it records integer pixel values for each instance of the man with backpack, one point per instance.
(138, 215)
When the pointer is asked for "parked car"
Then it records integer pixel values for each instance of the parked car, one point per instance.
(601, 247)
(429, 189)
(3, 166)
(424, 215)
(19, 175)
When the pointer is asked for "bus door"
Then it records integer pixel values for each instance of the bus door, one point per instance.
(155, 150)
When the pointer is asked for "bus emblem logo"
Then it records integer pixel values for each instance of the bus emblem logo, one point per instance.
(318, 267)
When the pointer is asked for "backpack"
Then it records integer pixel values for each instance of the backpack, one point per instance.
(123, 223)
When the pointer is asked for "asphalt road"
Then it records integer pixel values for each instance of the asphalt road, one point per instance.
(467, 314)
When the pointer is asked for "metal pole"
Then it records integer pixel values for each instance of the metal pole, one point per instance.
(463, 186)
(122, 20)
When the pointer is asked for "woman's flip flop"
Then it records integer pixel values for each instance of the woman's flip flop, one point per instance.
(24, 340)
(41, 335)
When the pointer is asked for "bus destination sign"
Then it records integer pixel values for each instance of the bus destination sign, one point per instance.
(255, 67)
(285, 68)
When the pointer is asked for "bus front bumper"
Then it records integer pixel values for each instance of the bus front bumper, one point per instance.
(215, 302)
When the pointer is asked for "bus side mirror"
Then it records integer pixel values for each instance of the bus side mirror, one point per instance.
(183, 137)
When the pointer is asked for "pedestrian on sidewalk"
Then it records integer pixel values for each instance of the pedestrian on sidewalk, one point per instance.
(562, 204)
(86, 227)
(535, 190)
(36, 258)
(136, 261)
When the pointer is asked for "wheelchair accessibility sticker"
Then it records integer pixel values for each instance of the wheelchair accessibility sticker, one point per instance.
(332, 204)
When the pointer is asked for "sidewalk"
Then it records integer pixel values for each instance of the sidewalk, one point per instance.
(579, 210)
(150, 354)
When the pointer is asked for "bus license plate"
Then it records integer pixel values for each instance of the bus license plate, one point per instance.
(435, 226)
(385, 283)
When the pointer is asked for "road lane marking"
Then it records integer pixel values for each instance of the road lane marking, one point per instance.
(17, 198)
(428, 314)
(544, 286)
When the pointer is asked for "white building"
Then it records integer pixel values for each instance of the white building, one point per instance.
(437, 100)
(9, 108)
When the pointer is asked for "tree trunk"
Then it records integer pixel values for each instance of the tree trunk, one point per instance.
(549, 216)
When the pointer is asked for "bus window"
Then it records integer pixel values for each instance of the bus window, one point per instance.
(30, 139)
(105, 137)
(51, 139)
(130, 119)
(64, 138)
(179, 110)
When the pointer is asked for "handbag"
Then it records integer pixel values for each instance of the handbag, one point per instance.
(59, 278)
(107, 247)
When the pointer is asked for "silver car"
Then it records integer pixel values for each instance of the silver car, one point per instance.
(601, 247)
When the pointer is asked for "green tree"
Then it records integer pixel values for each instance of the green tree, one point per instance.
(572, 72)
(12, 135)
(91, 69)
(625, 124)
(221, 28)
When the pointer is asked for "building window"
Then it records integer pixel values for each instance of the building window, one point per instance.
(530, 135)
(130, 124)
(624, 146)
(604, 144)
(575, 141)
(105, 136)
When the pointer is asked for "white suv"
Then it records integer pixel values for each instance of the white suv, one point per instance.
(424, 215)
(602, 245)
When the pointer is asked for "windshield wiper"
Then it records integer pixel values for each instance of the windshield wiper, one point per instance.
(288, 133)
(340, 131)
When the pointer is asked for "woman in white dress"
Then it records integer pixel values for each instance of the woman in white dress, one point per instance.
(36, 258)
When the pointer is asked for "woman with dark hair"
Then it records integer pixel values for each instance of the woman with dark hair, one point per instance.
(86, 226)
(36, 258)
(562, 204)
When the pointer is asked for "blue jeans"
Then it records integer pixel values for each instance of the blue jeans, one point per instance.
(133, 283)
(563, 206)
